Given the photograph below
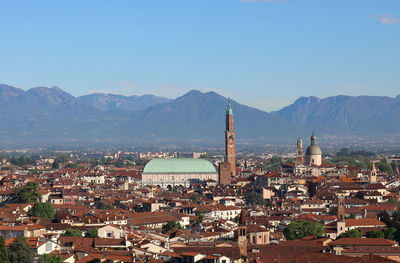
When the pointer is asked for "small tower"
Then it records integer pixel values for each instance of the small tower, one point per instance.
(299, 156)
(341, 213)
(242, 234)
(230, 139)
(372, 175)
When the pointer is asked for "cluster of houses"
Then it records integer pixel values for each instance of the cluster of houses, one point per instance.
(205, 222)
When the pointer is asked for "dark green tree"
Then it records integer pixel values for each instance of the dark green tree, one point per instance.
(20, 251)
(42, 210)
(50, 259)
(333, 211)
(56, 164)
(385, 167)
(390, 233)
(170, 225)
(393, 201)
(92, 232)
(72, 166)
(375, 234)
(254, 198)
(351, 216)
(199, 219)
(72, 232)
(351, 233)
(3, 251)
(28, 194)
(193, 198)
(300, 229)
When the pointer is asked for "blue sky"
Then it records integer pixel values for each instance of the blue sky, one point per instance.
(263, 53)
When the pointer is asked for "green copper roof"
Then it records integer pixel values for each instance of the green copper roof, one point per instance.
(229, 110)
(179, 166)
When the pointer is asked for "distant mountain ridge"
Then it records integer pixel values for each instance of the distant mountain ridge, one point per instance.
(360, 115)
(51, 116)
(106, 102)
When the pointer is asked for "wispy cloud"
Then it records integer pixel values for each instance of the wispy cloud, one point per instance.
(387, 19)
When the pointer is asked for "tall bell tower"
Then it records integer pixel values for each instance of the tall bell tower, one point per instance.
(230, 139)
(299, 153)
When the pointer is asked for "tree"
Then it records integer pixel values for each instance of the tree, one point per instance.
(385, 167)
(351, 233)
(3, 251)
(72, 232)
(170, 225)
(50, 259)
(20, 251)
(28, 194)
(254, 198)
(300, 229)
(92, 232)
(333, 211)
(72, 166)
(199, 219)
(390, 233)
(102, 205)
(393, 201)
(193, 198)
(351, 216)
(375, 234)
(42, 210)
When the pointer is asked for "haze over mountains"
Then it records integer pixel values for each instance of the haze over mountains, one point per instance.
(51, 116)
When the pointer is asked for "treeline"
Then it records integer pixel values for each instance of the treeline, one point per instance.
(345, 152)
(362, 159)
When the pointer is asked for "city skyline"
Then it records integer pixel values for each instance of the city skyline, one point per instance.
(278, 50)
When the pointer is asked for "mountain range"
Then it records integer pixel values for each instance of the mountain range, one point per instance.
(51, 116)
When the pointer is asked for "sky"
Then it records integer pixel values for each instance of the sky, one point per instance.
(262, 53)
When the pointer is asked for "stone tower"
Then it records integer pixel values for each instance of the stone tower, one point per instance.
(230, 140)
(242, 234)
(299, 153)
(372, 175)
(341, 214)
(341, 208)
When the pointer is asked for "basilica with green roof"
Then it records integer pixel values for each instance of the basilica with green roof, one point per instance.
(167, 173)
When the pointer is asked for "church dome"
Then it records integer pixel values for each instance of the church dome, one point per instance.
(313, 150)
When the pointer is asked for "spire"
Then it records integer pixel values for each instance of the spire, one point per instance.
(299, 141)
(373, 166)
(242, 219)
(229, 108)
(313, 138)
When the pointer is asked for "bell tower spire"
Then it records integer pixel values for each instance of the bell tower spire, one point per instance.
(230, 139)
